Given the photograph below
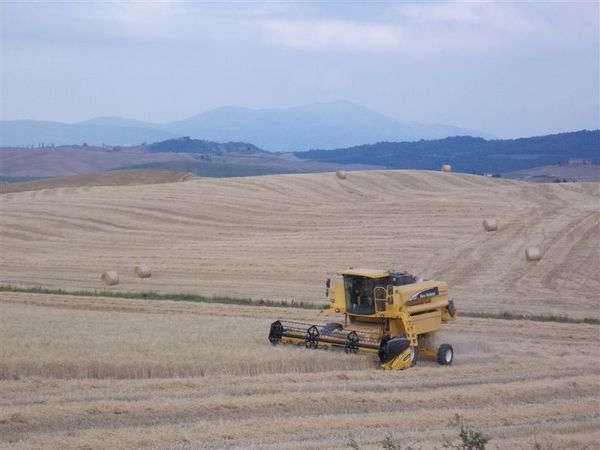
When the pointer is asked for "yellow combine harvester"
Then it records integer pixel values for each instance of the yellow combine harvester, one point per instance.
(385, 313)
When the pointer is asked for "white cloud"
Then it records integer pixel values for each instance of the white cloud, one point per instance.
(426, 28)
(149, 21)
(436, 28)
(370, 37)
(333, 34)
(154, 19)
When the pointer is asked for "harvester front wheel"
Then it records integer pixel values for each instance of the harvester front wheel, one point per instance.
(445, 354)
(415, 356)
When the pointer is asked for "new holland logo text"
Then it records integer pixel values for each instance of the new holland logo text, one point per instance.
(431, 292)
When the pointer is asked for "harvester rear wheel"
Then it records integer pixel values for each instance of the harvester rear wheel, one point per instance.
(445, 354)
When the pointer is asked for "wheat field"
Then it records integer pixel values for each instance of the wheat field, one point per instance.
(81, 372)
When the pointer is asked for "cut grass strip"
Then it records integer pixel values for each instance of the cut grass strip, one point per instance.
(506, 315)
(188, 297)
(178, 297)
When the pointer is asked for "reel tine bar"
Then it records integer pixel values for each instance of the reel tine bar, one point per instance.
(311, 335)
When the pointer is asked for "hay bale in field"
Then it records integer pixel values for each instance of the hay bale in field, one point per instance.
(533, 254)
(446, 168)
(341, 174)
(490, 224)
(143, 271)
(110, 277)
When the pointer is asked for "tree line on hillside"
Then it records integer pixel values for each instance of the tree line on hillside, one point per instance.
(468, 154)
(187, 145)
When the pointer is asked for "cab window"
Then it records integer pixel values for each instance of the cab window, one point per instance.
(359, 295)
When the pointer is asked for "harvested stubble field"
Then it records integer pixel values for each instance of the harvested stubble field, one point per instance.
(185, 375)
(279, 237)
(111, 178)
(92, 372)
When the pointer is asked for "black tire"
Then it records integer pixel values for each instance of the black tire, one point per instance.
(451, 308)
(330, 327)
(445, 354)
(415, 357)
(276, 332)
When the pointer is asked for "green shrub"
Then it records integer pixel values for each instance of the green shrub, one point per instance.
(470, 439)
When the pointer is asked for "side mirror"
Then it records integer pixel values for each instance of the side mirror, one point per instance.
(328, 283)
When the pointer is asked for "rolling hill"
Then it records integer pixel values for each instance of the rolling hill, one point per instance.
(223, 159)
(182, 155)
(286, 233)
(108, 178)
(468, 154)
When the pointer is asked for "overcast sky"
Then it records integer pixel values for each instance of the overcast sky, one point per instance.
(509, 69)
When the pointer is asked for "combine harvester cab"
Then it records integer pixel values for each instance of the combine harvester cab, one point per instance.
(384, 312)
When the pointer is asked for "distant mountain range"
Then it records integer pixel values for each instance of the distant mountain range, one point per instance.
(321, 125)
(468, 154)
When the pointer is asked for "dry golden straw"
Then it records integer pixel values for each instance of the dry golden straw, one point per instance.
(110, 277)
(490, 224)
(143, 271)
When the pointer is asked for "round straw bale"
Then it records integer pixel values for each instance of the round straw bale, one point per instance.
(110, 277)
(490, 224)
(446, 168)
(143, 271)
(341, 174)
(533, 254)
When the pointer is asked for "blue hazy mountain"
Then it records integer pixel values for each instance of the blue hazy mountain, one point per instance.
(321, 125)
(93, 132)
